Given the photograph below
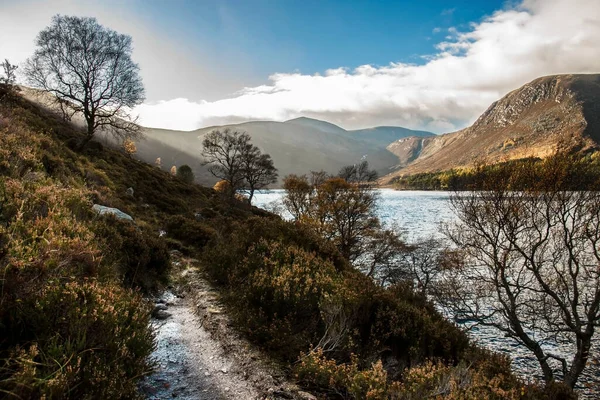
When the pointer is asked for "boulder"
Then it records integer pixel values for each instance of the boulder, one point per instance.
(103, 210)
(161, 315)
(129, 192)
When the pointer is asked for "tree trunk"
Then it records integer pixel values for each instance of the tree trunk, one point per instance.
(579, 361)
(89, 135)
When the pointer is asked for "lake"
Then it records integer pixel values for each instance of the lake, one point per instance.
(419, 215)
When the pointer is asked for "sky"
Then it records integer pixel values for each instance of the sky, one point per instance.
(433, 65)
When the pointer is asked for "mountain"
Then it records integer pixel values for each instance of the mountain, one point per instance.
(558, 110)
(297, 146)
(384, 135)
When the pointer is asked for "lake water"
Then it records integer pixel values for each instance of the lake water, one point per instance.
(420, 214)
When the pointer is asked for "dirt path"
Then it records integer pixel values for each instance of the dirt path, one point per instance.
(200, 356)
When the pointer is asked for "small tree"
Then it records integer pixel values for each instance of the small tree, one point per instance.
(9, 77)
(259, 171)
(222, 151)
(531, 268)
(158, 162)
(129, 147)
(231, 157)
(358, 173)
(341, 211)
(298, 195)
(88, 68)
(185, 173)
(173, 170)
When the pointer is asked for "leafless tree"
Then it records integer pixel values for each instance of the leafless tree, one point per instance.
(222, 152)
(88, 68)
(233, 158)
(9, 69)
(258, 170)
(531, 271)
(359, 173)
(381, 257)
(422, 263)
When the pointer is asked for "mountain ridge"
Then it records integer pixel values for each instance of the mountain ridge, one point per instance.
(531, 121)
(297, 146)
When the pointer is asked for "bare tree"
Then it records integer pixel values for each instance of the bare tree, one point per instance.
(423, 262)
(531, 269)
(258, 170)
(381, 257)
(9, 69)
(88, 68)
(232, 158)
(358, 173)
(222, 151)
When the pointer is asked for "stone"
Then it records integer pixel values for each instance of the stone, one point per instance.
(306, 396)
(103, 210)
(160, 307)
(161, 314)
(129, 192)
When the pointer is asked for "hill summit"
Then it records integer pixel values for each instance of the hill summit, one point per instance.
(297, 146)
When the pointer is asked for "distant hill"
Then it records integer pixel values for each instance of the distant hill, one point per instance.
(297, 146)
(384, 135)
(559, 110)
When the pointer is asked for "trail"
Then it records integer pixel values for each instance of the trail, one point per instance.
(200, 356)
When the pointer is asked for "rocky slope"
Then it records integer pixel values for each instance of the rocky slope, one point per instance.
(559, 110)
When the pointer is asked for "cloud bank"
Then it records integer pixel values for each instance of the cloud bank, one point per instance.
(469, 71)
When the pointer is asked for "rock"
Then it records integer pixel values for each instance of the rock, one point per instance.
(103, 210)
(306, 396)
(129, 192)
(159, 307)
(161, 314)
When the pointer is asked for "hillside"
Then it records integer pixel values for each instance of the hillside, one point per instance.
(71, 304)
(560, 110)
(297, 146)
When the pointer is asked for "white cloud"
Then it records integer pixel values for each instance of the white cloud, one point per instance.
(469, 72)
(470, 69)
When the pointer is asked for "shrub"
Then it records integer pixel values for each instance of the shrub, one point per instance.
(345, 380)
(189, 231)
(282, 288)
(70, 356)
(185, 173)
(441, 381)
(141, 258)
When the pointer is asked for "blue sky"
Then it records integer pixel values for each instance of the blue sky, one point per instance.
(433, 65)
(312, 36)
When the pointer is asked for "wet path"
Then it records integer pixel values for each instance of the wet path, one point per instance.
(190, 364)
